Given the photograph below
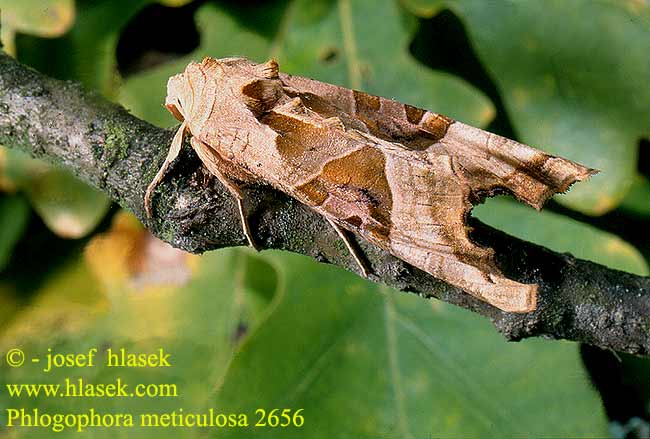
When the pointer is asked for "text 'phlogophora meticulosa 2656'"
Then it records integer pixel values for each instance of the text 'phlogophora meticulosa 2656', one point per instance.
(401, 177)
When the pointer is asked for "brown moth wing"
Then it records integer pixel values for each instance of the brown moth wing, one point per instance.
(409, 177)
(489, 160)
(412, 205)
(402, 177)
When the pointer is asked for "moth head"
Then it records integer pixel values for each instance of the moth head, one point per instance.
(227, 80)
(184, 90)
(257, 86)
(178, 97)
(239, 69)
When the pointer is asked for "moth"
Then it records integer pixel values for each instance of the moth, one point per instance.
(401, 177)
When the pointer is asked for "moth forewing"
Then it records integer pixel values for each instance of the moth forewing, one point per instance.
(401, 177)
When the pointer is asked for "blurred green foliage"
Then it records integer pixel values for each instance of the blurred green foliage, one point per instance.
(573, 78)
(269, 330)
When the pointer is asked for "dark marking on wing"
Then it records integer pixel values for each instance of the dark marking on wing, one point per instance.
(314, 191)
(260, 95)
(354, 220)
(366, 103)
(296, 138)
(436, 125)
(414, 114)
(361, 176)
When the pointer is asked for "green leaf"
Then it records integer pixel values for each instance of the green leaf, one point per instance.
(333, 45)
(14, 216)
(133, 292)
(573, 77)
(637, 200)
(16, 168)
(87, 52)
(46, 18)
(324, 40)
(562, 234)
(69, 207)
(364, 361)
(175, 3)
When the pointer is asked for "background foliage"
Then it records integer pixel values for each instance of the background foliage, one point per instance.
(250, 330)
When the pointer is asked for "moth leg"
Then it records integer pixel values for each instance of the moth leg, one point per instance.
(174, 149)
(236, 192)
(215, 165)
(353, 251)
(244, 221)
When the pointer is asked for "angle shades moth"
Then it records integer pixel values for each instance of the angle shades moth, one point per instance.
(401, 177)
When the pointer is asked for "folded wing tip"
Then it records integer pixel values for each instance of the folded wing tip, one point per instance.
(562, 174)
(515, 297)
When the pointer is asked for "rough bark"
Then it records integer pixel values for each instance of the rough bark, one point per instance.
(119, 154)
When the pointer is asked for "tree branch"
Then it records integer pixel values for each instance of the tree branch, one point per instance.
(119, 154)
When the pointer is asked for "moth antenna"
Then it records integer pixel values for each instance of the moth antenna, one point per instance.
(174, 149)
